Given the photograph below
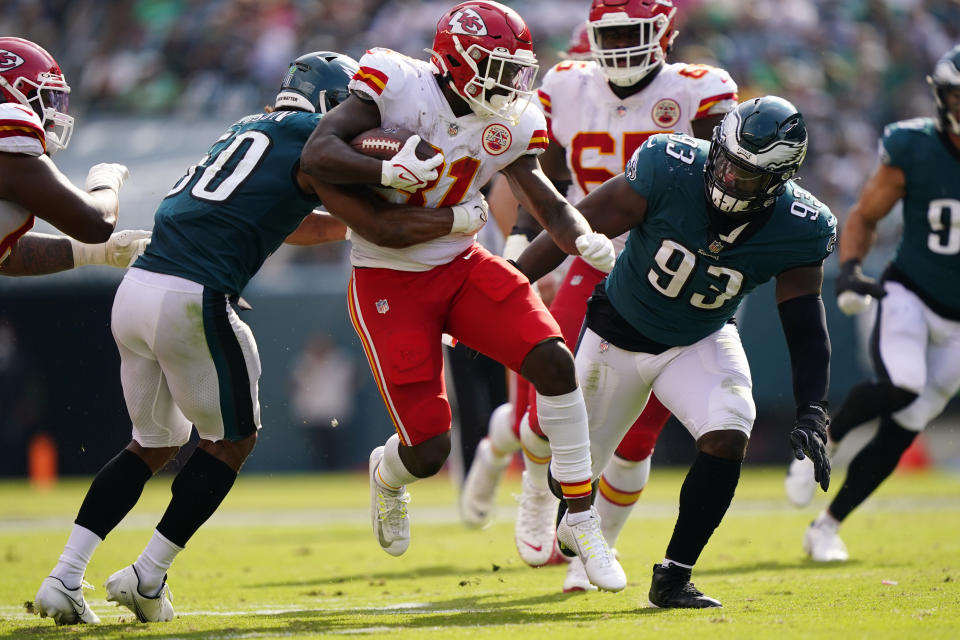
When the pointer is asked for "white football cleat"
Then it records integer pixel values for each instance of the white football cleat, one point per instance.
(65, 606)
(800, 483)
(388, 511)
(123, 587)
(586, 538)
(480, 486)
(577, 579)
(823, 544)
(535, 529)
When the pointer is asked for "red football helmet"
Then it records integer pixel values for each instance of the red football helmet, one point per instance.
(486, 51)
(579, 46)
(630, 38)
(30, 76)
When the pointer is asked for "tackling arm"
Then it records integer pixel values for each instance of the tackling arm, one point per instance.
(611, 209)
(38, 186)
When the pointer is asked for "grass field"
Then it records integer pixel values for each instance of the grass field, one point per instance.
(293, 557)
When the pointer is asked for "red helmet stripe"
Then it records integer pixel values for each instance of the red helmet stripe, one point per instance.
(373, 78)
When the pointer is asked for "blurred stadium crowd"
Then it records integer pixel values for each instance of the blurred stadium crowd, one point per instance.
(850, 65)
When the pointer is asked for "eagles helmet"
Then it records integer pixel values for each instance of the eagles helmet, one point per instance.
(316, 82)
(946, 77)
(755, 149)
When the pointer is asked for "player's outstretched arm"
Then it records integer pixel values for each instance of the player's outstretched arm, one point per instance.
(611, 209)
(38, 186)
(38, 254)
(804, 323)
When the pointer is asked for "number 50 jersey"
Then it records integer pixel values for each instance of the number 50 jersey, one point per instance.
(671, 282)
(232, 210)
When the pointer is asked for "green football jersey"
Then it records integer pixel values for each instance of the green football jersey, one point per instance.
(673, 282)
(232, 210)
(929, 250)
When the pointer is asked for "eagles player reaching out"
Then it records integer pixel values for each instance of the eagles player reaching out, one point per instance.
(471, 103)
(916, 337)
(33, 125)
(708, 223)
(598, 112)
(186, 358)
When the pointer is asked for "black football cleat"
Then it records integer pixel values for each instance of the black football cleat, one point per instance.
(671, 589)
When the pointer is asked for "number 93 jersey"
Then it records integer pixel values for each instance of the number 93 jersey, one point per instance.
(673, 282)
(929, 248)
(223, 218)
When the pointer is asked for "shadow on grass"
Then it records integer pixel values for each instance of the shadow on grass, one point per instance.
(467, 613)
(441, 571)
(773, 566)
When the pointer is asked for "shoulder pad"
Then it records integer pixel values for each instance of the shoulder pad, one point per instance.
(899, 138)
(713, 89)
(21, 131)
(380, 67)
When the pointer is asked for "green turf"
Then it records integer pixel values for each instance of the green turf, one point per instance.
(293, 557)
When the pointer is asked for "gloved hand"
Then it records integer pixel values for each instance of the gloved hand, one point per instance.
(407, 172)
(120, 251)
(106, 176)
(856, 291)
(597, 250)
(470, 216)
(809, 439)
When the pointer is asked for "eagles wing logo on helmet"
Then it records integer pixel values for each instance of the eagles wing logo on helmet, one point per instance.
(9, 60)
(468, 22)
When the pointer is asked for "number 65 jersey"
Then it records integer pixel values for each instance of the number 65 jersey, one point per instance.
(928, 256)
(600, 131)
(674, 283)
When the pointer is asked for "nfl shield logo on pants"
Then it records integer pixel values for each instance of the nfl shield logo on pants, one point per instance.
(383, 306)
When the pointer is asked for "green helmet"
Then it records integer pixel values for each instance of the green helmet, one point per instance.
(756, 148)
(946, 76)
(316, 82)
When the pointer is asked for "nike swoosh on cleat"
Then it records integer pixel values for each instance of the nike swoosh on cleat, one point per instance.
(538, 547)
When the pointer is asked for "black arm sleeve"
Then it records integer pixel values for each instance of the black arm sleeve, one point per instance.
(804, 323)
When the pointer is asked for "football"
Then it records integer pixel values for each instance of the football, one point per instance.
(384, 143)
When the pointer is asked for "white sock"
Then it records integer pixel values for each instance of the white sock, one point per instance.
(667, 562)
(391, 473)
(827, 520)
(500, 432)
(620, 487)
(153, 563)
(536, 454)
(574, 518)
(76, 556)
(563, 419)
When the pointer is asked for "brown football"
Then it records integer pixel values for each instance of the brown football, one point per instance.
(384, 143)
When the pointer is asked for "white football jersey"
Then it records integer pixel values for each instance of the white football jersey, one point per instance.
(20, 132)
(600, 132)
(474, 149)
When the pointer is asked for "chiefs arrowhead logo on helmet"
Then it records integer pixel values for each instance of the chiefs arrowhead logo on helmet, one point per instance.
(9, 60)
(468, 22)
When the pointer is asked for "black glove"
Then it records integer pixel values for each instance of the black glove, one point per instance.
(809, 439)
(851, 278)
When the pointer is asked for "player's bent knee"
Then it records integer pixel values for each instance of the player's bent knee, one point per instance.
(233, 453)
(427, 458)
(729, 444)
(550, 368)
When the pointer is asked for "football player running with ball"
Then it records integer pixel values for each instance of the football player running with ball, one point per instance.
(34, 125)
(708, 222)
(916, 337)
(471, 101)
(186, 358)
(598, 112)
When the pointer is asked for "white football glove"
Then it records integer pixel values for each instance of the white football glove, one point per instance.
(120, 251)
(470, 216)
(106, 176)
(852, 303)
(406, 172)
(597, 250)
